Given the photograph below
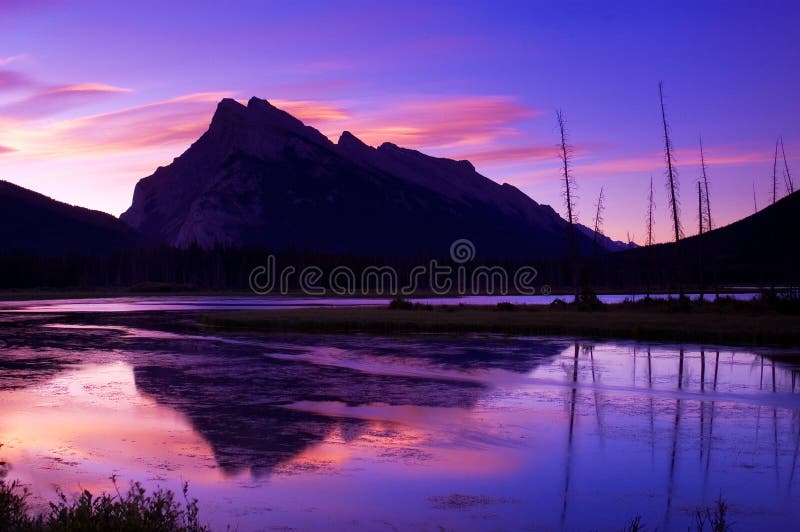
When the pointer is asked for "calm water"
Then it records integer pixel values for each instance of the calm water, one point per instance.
(413, 432)
(187, 303)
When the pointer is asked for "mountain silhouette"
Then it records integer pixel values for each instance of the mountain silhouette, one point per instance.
(763, 247)
(260, 177)
(33, 223)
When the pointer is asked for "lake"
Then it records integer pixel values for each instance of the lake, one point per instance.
(189, 303)
(399, 432)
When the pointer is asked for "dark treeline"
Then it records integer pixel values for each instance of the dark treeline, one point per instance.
(222, 268)
(660, 267)
(762, 250)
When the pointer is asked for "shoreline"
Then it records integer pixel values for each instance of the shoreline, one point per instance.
(106, 293)
(739, 327)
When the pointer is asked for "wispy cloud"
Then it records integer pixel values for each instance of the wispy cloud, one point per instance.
(6, 149)
(467, 127)
(12, 79)
(52, 100)
(312, 111)
(10, 59)
(508, 155)
(442, 122)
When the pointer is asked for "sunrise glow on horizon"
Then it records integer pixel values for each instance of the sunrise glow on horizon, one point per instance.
(95, 96)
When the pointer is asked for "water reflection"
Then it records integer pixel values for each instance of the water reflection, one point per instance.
(418, 432)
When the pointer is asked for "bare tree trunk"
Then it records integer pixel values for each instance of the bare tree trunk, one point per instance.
(700, 240)
(569, 200)
(755, 204)
(649, 238)
(671, 174)
(709, 225)
(789, 183)
(598, 219)
(775, 175)
(650, 209)
(700, 207)
(672, 184)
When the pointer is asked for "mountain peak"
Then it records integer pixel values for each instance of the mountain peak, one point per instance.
(348, 140)
(229, 106)
(259, 103)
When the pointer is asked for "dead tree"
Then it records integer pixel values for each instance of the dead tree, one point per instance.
(775, 175)
(568, 184)
(700, 207)
(700, 241)
(649, 240)
(672, 183)
(650, 213)
(709, 225)
(755, 204)
(598, 216)
(788, 176)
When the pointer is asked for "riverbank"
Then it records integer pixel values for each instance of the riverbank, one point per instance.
(734, 324)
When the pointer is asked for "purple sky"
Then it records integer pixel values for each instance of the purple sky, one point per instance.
(94, 95)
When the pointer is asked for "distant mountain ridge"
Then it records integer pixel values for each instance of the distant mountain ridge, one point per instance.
(258, 176)
(31, 222)
(762, 247)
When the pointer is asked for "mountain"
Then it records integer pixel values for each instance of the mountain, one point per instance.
(258, 176)
(763, 247)
(604, 242)
(33, 223)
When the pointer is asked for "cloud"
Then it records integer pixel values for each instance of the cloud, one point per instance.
(472, 127)
(654, 161)
(10, 59)
(442, 122)
(12, 79)
(312, 111)
(6, 149)
(54, 99)
(507, 155)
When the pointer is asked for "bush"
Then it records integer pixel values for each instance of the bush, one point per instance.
(588, 300)
(134, 511)
(399, 303)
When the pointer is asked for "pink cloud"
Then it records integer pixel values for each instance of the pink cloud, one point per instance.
(438, 123)
(52, 100)
(6, 149)
(11, 79)
(312, 111)
(654, 162)
(511, 154)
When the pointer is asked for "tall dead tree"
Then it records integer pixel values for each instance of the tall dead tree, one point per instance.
(672, 181)
(755, 204)
(700, 213)
(649, 240)
(709, 225)
(568, 184)
(650, 213)
(598, 215)
(700, 241)
(788, 175)
(775, 175)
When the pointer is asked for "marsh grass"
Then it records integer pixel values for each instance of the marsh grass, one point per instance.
(132, 511)
(722, 321)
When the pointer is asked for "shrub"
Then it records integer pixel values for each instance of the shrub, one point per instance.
(133, 511)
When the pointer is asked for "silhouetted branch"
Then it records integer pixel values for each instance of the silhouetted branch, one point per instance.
(651, 207)
(775, 175)
(709, 225)
(788, 176)
(672, 183)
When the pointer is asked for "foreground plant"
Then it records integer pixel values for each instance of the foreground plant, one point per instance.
(135, 510)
